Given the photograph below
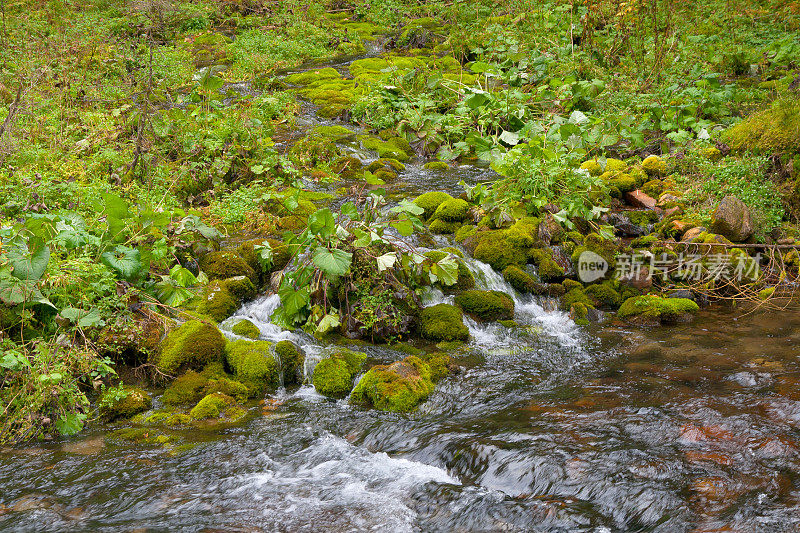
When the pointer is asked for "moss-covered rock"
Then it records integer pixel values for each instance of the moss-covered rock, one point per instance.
(546, 266)
(347, 167)
(443, 322)
(217, 302)
(654, 166)
(522, 281)
(192, 345)
(245, 328)
(192, 386)
(654, 309)
(615, 165)
(212, 406)
(280, 254)
(436, 165)
(392, 148)
(398, 387)
(452, 210)
(495, 249)
(604, 295)
(116, 405)
(430, 201)
(292, 361)
(253, 364)
(593, 167)
(333, 376)
(443, 227)
(227, 264)
(486, 306)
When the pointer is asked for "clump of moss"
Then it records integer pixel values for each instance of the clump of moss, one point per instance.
(486, 306)
(245, 328)
(386, 164)
(593, 242)
(292, 360)
(521, 280)
(392, 148)
(115, 406)
(253, 364)
(495, 249)
(773, 131)
(226, 264)
(398, 387)
(593, 167)
(616, 165)
(654, 166)
(604, 295)
(212, 406)
(333, 376)
(443, 227)
(452, 210)
(439, 364)
(443, 322)
(217, 302)
(192, 345)
(186, 389)
(464, 232)
(652, 308)
(430, 201)
(281, 254)
(620, 181)
(347, 167)
(436, 165)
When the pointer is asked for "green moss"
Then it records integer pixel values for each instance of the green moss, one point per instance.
(385, 175)
(452, 210)
(443, 322)
(436, 165)
(193, 345)
(253, 364)
(546, 266)
(226, 264)
(576, 296)
(494, 249)
(621, 181)
(292, 361)
(654, 166)
(393, 164)
(186, 389)
(347, 167)
(304, 78)
(486, 305)
(656, 308)
(333, 376)
(521, 280)
(593, 166)
(524, 232)
(765, 294)
(212, 406)
(280, 254)
(217, 302)
(336, 133)
(392, 148)
(579, 313)
(245, 328)
(464, 232)
(616, 165)
(642, 218)
(773, 131)
(439, 364)
(442, 227)
(398, 387)
(604, 295)
(430, 201)
(593, 242)
(116, 406)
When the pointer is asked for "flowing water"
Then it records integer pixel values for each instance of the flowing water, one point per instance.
(546, 427)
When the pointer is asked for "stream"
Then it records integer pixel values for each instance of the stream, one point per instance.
(547, 427)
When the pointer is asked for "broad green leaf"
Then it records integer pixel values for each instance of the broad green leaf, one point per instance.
(446, 270)
(28, 264)
(264, 254)
(328, 323)
(510, 138)
(183, 277)
(70, 423)
(372, 179)
(349, 210)
(83, 318)
(127, 262)
(293, 301)
(403, 227)
(407, 206)
(14, 291)
(386, 261)
(333, 263)
(322, 223)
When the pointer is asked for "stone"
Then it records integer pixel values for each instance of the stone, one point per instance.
(732, 220)
(639, 199)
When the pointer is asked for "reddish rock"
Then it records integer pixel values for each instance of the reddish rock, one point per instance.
(692, 233)
(639, 199)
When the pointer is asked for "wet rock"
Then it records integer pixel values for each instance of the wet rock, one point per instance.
(624, 227)
(693, 233)
(333, 376)
(193, 345)
(654, 309)
(732, 220)
(486, 306)
(398, 387)
(443, 322)
(117, 404)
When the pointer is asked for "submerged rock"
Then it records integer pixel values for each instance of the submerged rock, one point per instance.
(253, 364)
(398, 387)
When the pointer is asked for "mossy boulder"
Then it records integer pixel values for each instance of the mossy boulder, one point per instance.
(443, 227)
(604, 295)
(215, 405)
(392, 148)
(522, 281)
(650, 309)
(443, 322)
(615, 165)
(452, 210)
(593, 167)
(486, 306)
(253, 364)
(495, 249)
(654, 166)
(217, 302)
(774, 131)
(292, 361)
(430, 201)
(193, 345)
(524, 233)
(347, 167)
(398, 387)
(192, 386)
(333, 376)
(436, 165)
(227, 264)
(546, 266)
(732, 219)
(116, 405)
(245, 328)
